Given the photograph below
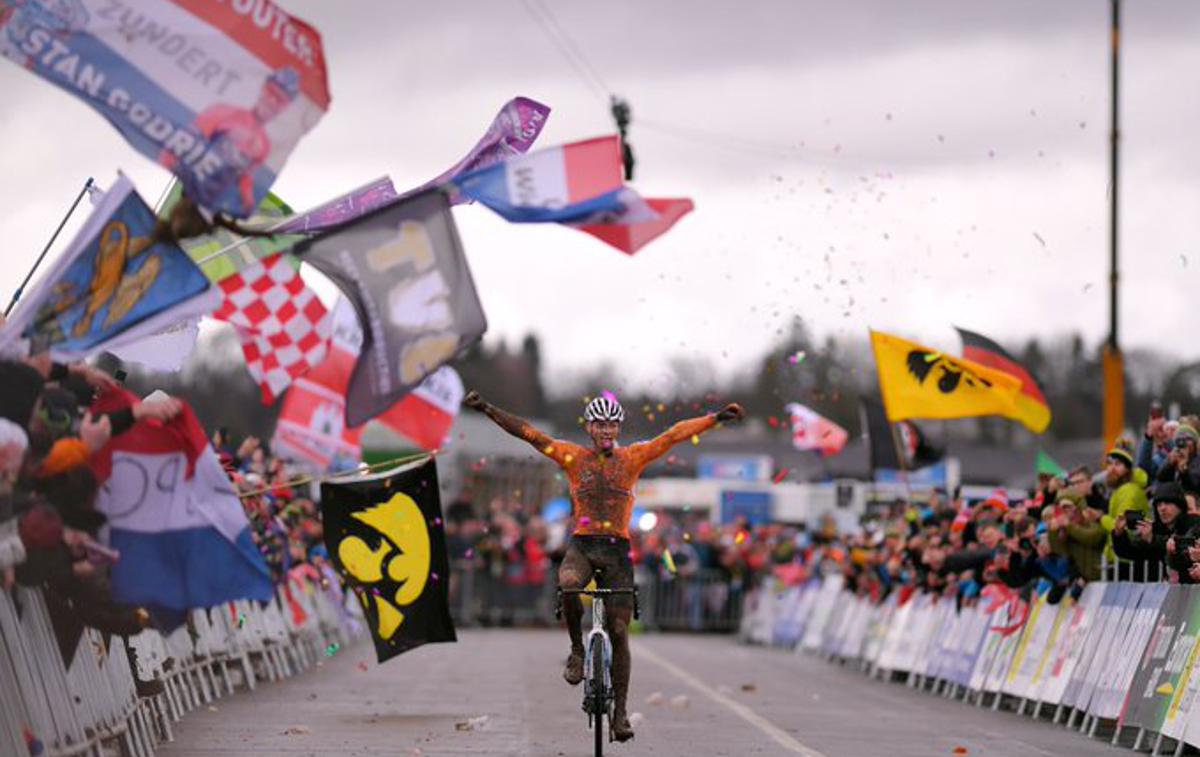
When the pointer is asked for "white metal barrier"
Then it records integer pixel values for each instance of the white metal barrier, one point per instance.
(92, 704)
(1120, 659)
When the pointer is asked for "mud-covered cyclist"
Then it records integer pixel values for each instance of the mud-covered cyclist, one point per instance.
(601, 480)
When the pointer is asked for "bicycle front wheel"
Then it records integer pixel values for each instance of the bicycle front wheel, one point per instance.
(599, 695)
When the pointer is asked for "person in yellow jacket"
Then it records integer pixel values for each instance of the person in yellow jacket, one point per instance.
(1127, 486)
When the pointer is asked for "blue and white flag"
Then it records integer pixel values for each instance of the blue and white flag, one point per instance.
(114, 284)
(183, 537)
(571, 182)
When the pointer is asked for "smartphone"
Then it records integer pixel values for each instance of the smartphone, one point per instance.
(1156, 410)
(1133, 517)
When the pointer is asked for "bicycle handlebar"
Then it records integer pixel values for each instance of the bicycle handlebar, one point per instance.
(637, 611)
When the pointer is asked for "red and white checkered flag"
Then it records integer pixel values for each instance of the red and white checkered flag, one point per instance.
(284, 328)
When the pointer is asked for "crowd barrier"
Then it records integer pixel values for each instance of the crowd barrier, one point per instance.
(53, 709)
(1117, 662)
(704, 602)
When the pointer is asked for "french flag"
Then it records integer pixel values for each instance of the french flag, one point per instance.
(175, 518)
(564, 183)
(427, 413)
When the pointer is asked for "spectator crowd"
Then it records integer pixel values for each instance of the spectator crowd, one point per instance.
(1135, 518)
(50, 529)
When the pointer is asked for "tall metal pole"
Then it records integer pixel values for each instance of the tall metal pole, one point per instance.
(1111, 361)
(21, 289)
(1113, 164)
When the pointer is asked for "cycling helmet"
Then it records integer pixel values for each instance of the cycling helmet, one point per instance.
(604, 409)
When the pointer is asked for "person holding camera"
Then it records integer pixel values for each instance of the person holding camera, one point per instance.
(1150, 543)
(1127, 484)
(1182, 464)
(1077, 534)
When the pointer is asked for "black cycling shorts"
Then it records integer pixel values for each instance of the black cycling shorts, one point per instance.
(586, 554)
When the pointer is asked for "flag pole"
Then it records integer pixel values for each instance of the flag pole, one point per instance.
(17, 294)
(278, 225)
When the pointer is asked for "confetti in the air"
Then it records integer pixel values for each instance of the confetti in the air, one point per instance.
(332, 649)
(668, 560)
(797, 358)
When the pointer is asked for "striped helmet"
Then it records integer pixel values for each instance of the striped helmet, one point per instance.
(604, 409)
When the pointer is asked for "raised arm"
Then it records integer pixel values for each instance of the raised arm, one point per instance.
(520, 428)
(649, 451)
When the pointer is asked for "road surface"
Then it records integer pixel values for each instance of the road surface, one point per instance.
(698, 695)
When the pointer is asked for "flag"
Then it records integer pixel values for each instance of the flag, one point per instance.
(224, 253)
(174, 517)
(898, 446)
(384, 534)
(237, 252)
(113, 284)
(1032, 410)
(637, 223)
(283, 327)
(512, 132)
(1046, 466)
(811, 431)
(564, 183)
(919, 382)
(218, 93)
(403, 269)
(311, 426)
(426, 414)
(164, 351)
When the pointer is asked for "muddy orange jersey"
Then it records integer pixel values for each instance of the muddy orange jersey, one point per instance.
(601, 484)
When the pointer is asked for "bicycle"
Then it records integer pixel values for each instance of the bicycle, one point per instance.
(598, 695)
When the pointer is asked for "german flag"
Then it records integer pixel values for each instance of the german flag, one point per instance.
(1032, 410)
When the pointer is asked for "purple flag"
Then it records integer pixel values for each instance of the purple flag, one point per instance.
(339, 210)
(512, 132)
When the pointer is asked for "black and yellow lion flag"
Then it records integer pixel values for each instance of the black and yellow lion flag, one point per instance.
(919, 382)
(384, 535)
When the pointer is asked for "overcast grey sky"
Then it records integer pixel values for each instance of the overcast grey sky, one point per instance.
(900, 165)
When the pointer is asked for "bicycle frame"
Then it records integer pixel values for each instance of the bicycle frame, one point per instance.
(598, 695)
(598, 686)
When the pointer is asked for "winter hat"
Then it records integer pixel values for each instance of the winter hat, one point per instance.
(66, 454)
(1170, 492)
(997, 499)
(1187, 432)
(22, 386)
(1123, 450)
(961, 519)
(58, 410)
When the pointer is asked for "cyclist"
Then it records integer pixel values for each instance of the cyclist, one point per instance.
(601, 480)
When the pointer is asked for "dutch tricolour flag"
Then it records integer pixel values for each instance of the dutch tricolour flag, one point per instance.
(565, 183)
(218, 92)
(173, 515)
